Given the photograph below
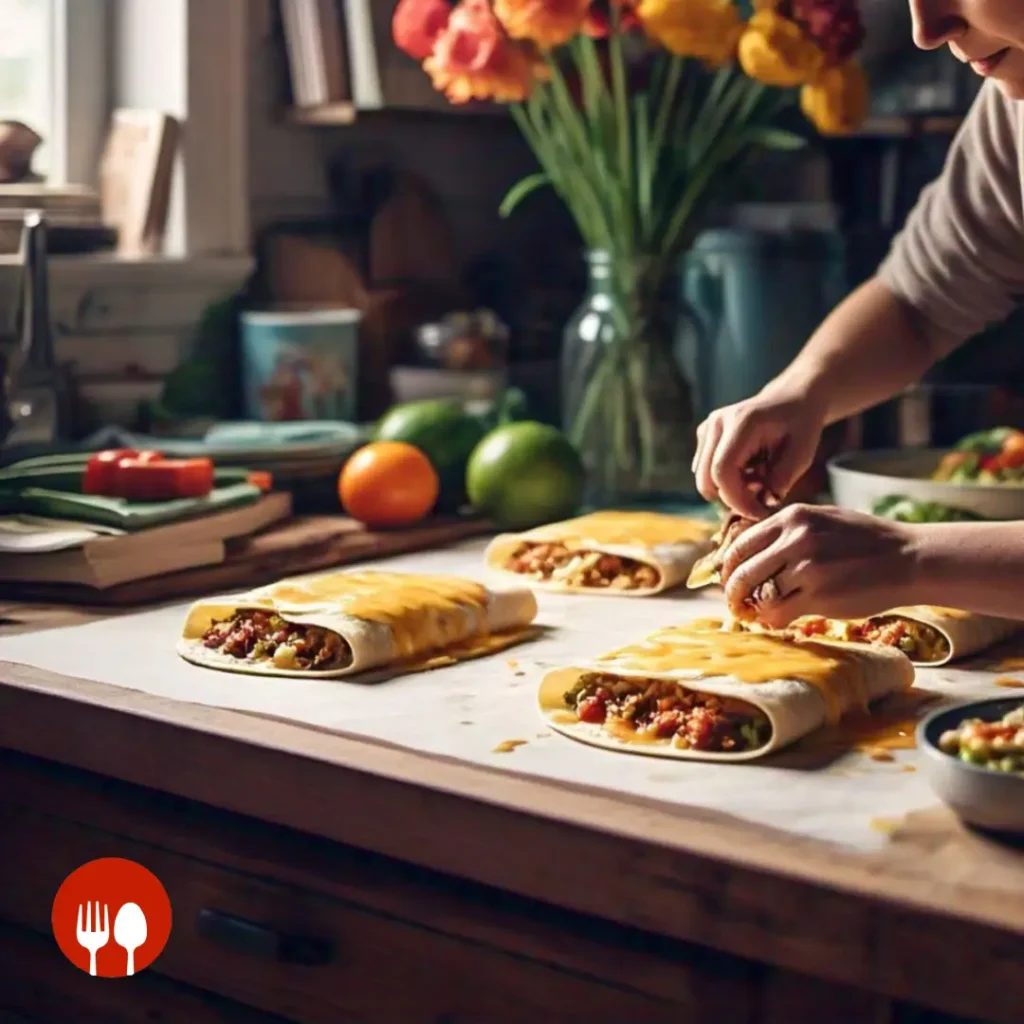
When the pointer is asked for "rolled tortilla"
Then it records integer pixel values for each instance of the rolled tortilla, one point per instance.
(668, 545)
(707, 570)
(383, 618)
(965, 633)
(797, 685)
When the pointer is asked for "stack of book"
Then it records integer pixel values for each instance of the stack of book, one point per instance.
(37, 549)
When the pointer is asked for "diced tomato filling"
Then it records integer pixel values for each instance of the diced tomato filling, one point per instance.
(554, 561)
(660, 709)
(264, 636)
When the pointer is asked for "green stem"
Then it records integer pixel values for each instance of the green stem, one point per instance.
(625, 140)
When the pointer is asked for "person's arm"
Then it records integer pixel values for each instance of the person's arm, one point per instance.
(978, 567)
(869, 348)
(955, 268)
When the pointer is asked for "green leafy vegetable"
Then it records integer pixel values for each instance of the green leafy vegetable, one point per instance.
(906, 510)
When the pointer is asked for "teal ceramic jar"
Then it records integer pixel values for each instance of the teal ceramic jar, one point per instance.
(300, 364)
(755, 297)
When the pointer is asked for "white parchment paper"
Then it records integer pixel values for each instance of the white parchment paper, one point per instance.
(468, 711)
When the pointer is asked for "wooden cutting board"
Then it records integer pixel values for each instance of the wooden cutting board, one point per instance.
(300, 545)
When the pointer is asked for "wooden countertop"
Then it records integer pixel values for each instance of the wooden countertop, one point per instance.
(936, 917)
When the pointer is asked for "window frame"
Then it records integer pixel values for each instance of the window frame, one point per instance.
(210, 214)
(81, 41)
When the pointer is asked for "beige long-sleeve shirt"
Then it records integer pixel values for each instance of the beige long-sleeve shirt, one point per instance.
(959, 260)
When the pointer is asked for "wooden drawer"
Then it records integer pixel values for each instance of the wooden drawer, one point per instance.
(38, 987)
(311, 958)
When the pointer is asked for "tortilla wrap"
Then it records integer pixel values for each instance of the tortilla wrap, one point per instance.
(798, 685)
(965, 632)
(386, 618)
(670, 545)
(707, 571)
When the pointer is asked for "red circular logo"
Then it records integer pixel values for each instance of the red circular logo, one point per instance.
(111, 917)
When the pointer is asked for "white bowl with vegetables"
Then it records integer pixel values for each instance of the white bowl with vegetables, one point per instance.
(982, 477)
(973, 756)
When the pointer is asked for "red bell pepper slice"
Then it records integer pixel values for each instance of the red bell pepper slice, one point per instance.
(164, 479)
(101, 470)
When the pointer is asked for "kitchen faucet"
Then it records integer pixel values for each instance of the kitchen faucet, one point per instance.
(29, 388)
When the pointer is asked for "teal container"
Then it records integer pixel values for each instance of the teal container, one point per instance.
(300, 364)
(755, 297)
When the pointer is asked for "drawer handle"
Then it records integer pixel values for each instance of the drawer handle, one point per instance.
(241, 936)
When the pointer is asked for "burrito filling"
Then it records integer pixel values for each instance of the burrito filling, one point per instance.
(553, 562)
(261, 636)
(998, 746)
(659, 709)
(918, 641)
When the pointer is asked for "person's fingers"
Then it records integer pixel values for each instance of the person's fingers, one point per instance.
(729, 474)
(748, 543)
(702, 429)
(756, 571)
(709, 442)
(798, 590)
(791, 460)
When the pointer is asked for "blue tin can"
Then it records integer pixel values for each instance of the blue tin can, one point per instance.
(300, 364)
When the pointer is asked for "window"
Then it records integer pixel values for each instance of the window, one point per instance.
(27, 71)
(66, 64)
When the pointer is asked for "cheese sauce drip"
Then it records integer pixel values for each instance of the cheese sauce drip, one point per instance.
(754, 658)
(423, 612)
(626, 529)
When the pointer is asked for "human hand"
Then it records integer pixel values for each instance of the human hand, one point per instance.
(769, 439)
(823, 561)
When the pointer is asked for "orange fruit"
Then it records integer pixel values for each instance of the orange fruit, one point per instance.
(388, 483)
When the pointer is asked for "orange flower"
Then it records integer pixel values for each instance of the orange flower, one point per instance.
(417, 24)
(836, 102)
(474, 59)
(706, 29)
(548, 23)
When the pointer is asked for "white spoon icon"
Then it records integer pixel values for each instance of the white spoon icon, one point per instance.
(130, 932)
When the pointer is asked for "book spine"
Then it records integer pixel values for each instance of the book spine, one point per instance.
(291, 18)
(367, 93)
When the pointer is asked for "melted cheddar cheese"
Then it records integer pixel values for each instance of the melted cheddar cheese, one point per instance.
(423, 612)
(755, 658)
(626, 529)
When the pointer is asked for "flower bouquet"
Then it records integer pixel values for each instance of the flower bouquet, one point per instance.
(640, 114)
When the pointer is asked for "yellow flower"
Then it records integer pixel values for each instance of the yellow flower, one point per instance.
(774, 50)
(836, 102)
(706, 29)
(548, 23)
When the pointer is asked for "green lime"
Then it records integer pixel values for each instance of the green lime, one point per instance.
(524, 474)
(445, 433)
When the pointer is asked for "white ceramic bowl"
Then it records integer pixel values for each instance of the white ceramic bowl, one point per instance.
(981, 797)
(859, 479)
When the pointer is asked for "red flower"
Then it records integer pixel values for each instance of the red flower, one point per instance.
(474, 59)
(598, 23)
(835, 25)
(417, 24)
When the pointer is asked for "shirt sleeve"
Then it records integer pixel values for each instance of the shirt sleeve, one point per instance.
(959, 259)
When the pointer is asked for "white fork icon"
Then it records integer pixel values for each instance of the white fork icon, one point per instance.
(92, 935)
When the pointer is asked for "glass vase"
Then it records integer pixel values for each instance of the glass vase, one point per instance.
(626, 403)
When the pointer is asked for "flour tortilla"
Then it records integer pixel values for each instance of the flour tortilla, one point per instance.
(672, 561)
(707, 571)
(506, 611)
(793, 707)
(966, 632)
